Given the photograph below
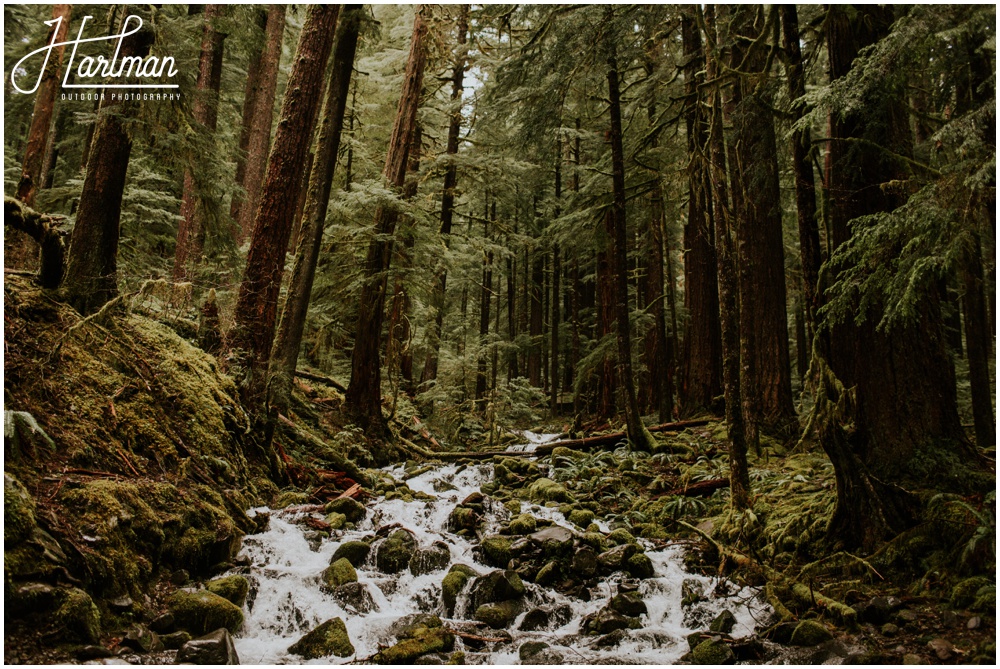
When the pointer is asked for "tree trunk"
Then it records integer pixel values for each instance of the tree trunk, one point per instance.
(556, 269)
(605, 319)
(977, 343)
(485, 295)
(364, 393)
(535, 317)
(448, 194)
(257, 302)
(92, 266)
(259, 137)
(288, 340)
(250, 95)
(512, 370)
(638, 435)
(206, 115)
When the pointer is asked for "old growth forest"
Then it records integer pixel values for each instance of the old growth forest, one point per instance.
(500, 334)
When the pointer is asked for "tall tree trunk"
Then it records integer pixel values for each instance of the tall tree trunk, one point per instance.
(512, 370)
(702, 373)
(739, 478)
(257, 302)
(606, 381)
(638, 435)
(977, 343)
(206, 115)
(485, 295)
(92, 266)
(250, 94)
(556, 269)
(288, 340)
(364, 393)
(448, 194)
(259, 139)
(535, 316)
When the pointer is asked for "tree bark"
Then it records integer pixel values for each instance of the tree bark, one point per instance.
(556, 269)
(364, 393)
(92, 266)
(206, 115)
(250, 95)
(257, 302)
(977, 344)
(535, 316)
(288, 340)
(259, 137)
(485, 295)
(606, 381)
(44, 231)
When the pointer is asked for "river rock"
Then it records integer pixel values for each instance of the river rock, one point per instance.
(409, 624)
(712, 651)
(616, 558)
(91, 652)
(942, 648)
(523, 524)
(584, 562)
(355, 597)
(723, 623)
(141, 640)
(640, 566)
(555, 541)
(393, 554)
(355, 552)
(428, 560)
(175, 640)
(453, 583)
(544, 617)
(497, 586)
(354, 510)
(201, 612)
(629, 604)
(498, 615)
(234, 588)
(810, 633)
(495, 550)
(328, 639)
(421, 641)
(463, 518)
(605, 621)
(611, 639)
(163, 623)
(548, 574)
(692, 591)
(581, 517)
(79, 616)
(213, 648)
(595, 540)
(339, 573)
(530, 648)
(547, 490)
(620, 536)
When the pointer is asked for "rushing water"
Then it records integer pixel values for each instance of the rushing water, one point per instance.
(287, 601)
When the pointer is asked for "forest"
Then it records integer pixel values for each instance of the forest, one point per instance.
(499, 334)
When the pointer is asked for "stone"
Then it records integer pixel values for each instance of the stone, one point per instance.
(547, 490)
(339, 573)
(810, 633)
(352, 509)
(889, 629)
(498, 615)
(949, 619)
(964, 593)
(974, 623)
(393, 555)
(175, 640)
(611, 639)
(234, 588)
(496, 551)
(120, 604)
(548, 574)
(201, 612)
(474, 498)
(548, 656)
(163, 623)
(595, 540)
(79, 616)
(712, 651)
(355, 552)
(213, 648)
(463, 518)
(453, 583)
(554, 540)
(605, 621)
(523, 524)
(640, 566)
(355, 597)
(692, 591)
(906, 616)
(423, 641)
(581, 517)
(33, 597)
(336, 521)
(429, 560)
(497, 586)
(584, 562)
(330, 638)
(723, 623)
(630, 604)
(878, 609)
(913, 658)
(180, 577)
(141, 640)
(620, 536)
(616, 558)
(530, 648)
(410, 624)
(942, 648)
(18, 511)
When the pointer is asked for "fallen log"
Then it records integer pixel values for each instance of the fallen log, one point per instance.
(322, 379)
(44, 229)
(612, 438)
(699, 489)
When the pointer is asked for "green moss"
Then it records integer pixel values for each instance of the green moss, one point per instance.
(356, 552)
(201, 612)
(453, 583)
(337, 521)
(233, 588)
(328, 639)
(563, 452)
(79, 616)
(986, 600)
(18, 511)
(339, 573)
(810, 633)
(621, 536)
(290, 498)
(640, 566)
(595, 540)
(712, 651)
(496, 551)
(353, 510)
(964, 594)
(581, 517)
(514, 506)
(498, 615)
(393, 555)
(547, 490)
(548, 574)
(523, 524)
(424, 640)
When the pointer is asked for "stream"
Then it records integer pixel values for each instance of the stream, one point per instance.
(286, 600)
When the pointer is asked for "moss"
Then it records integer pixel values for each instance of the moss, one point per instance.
(547, 490)
(393, 555)
(563, 452)
(530, 648)
(353, 510)
(964, 594)
(712, 651)
(523, 524)
(330, 638)
(339, 573)
(621, 536)
(18, 511)
(986, 600)
(514, 506)
(233, 588)
(79, 616)
(289, 498)
(336, 520)
(548, 574)
(810, 633)
(595, 540)
(640, 566)
(424, 640)
(496, 551)
(355, 552)
(498, 615)
(453, 583)
(581, 517)
(201, 612)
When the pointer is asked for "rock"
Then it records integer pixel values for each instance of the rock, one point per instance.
(33, 597)
(605, 621)
(289, 498)
(723, 623)
(394, 554)
(942, 648)
(496, 551)
(630, 604)
(410, 624)
(180, 577)
(949, 619)
(497, 586)
(530, 648)
(913, 658)
(523, 524)
(423, 641)
(611, 639)
(548, 574)
(584, 562)
(810, 633)
(616, 558)
(234, 588)
(201, 612)
(463, 518)
(453, 583)
(352, 509)
(79, 616)
(974, 623)
(889, 630)
(498, 615)
(18, 511)
(120, 604)
(336, 521)
(782, 632)
(548, 656)
(964, 594)
(748, 650)
(163, 623)
(92, 652)
(141, 640)
(213, 648)
(355, 597)
(175, 640)
(330, 638)
(907, 616)
(339, 573)
(712, 651)
(555, 541)
(547, 490)
(429, 560)
(595, 540)
(878, 609)
(692, 591)
(581, 517)
(621, 536)
(355, 552)
(640, 566)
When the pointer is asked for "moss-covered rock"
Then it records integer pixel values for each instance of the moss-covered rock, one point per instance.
(341, 572)
(497, 586)
(563, 452)
(723, 623)
(640, 566)
(355, 552)
(628, 604)
(393, 555)
(463, 518)
(453, 583)
(523, 524)
(810, 633)
(288, 498)
(496, 550)
(555, 541)
(616, 559)
(986, 600)
(581, 517)
(964, 593)
(201, 612)
(337, 521)
(549, 573)
(352, 509)
(620, 536)
(234, 588)
(513, 505)
(79, 616)
(330, 638)
(547, 490)
(429, 560)
(422, 641)
(595, 540)
(712, 651)
(18, 511)
(498, 615)
(607, 620)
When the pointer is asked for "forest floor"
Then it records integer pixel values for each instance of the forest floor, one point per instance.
(128, 471)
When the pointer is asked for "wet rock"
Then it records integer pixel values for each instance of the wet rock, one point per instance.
(964, 594)
(523, 524)
(453, 583)
(555, 541)
(354, 510)
(630, 604)
(595, 540)
(748, 650)
(474, 498)
(355, 552)
(975, 622)
(906, 616)
(889, 629)
(913, 658)
(141, 640)
(611, 639)
(201, 612)
(548, 656)
(355, 597)
(410, 624)
(581, 517)
(180, 577)
(336, 521)
(712, 651)
(640, 566)
(547, 490)
(529, 649)
(620, 536)
(584, 562)
(79, 616)
(422, 641)
(651, 531)
(394, 554)
(605, 621)
(692, 591)
(289, 498)
(782, 632)
(548, 574)
(615, 559)
(723, 623)
(497, 586)
(339, 573)
(91, 652)
(328, 639)
(949, 619)
(498, 615)
(878, 610)
(545, 617)
(429, 560)
(495, 550)
(942, 648)
(163, 623)
(463, 518)
(213, 648)
(810, 633)
(234, 588)
(175, 640)
(18, 511)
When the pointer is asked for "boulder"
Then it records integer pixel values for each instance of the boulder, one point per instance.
(410, 624)
(213, 648)
(163, 623)
(355, 552)
(629, 604)
(18, 511)
(201, 612)
(453, 583)
(339, 573)
(355, 597)
(497, 586)
(620, 536)
(393, 554)
(723, 623)
(234, 588)
(79, 616)
(354, 510)
(422, 641)
(428, 560)
(584, 562)
(615, 559)
(544, 617)
(581, 517)
(523, 524)
(595, 540)
(640, 566)
(463, 518)
(605, 621)
(712, 651)
(336, 521)
(555, 541)
(495, 550)
(810, 633)
(498, 615)
(175, 640)
(330, 638)
(141, 640)
(530, 648)
(546, 490)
